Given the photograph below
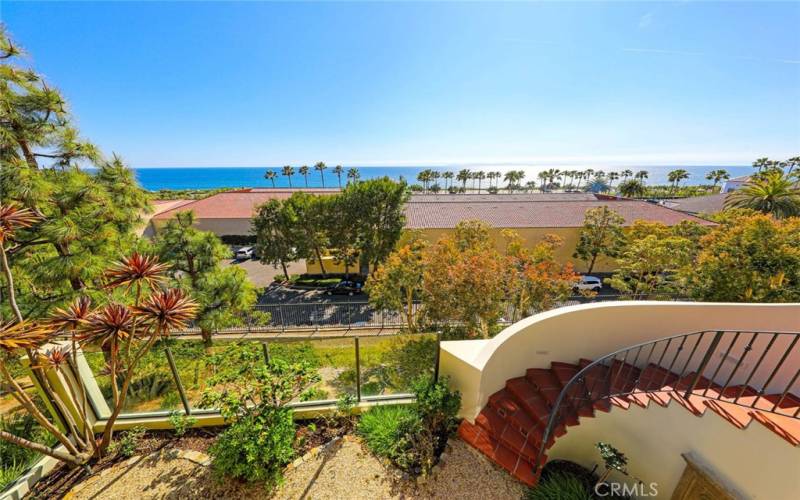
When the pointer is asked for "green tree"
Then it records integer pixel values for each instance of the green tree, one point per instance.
(320, 167)
(353, 175)
(338, 171)
(270, 175)
(716, 176)
(749, 257)
(676, 176)
(463, 176)
(288, 171)
(84, 221)
(304, 172)
(651, 261)
(770, 193)
(273, 233)
(223, 295)
(309, 217)
(376, 207)
(398, 282)
(601, 234)
(641, 175)
(632, 188)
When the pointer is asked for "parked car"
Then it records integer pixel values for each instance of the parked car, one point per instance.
(344, 287)
(244, 253)
(592, 283)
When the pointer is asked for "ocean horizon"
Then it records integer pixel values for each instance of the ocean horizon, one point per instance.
(157, 178)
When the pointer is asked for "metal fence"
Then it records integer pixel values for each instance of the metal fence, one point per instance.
(361, 315)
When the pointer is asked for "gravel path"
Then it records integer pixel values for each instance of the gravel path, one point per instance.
(343, 470)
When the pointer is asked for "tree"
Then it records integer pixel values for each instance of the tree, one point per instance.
(353, 175)
(320, 167)
(650, 263)
(480, 176)
(288, 171)
(448, 179)
(223, 295)
(376, 208)
(749, 257)
(463, 176)
(632, 188)
(270, 175)
(716, 176)
(308, 216)
(641, 175)
(601, 234)
(464, 279)
(676, 176)
(770, 193)
(273, 236)
(83, 221)
(625, 174)
(304, 173)
(536, 282)
(338, 171)
(398, 281)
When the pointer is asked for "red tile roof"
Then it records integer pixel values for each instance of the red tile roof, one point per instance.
(239, 204)
(535, 214)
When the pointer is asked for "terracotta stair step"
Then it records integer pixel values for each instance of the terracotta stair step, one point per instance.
(623, 376)
(481, 440)
(787, 405)
(597, 385)
(703, 391)
(738, 416)
(528, 398)
(502, 430)
(549, 387)
(786, 427)
(654, 377)
(506, 405)
(578, 391)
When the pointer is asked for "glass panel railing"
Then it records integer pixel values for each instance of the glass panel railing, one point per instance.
(390, 364)
(335, 362)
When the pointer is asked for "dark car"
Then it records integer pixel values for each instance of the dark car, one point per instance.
(344, 287)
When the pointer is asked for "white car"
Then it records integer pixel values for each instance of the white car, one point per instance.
(589, 283)
(244, 253)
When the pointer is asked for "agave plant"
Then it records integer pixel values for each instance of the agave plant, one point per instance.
(138, 270)
(166, 310)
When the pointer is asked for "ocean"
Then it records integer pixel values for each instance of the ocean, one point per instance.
(154, 179)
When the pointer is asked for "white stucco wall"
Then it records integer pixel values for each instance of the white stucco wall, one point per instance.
(753, 462)
(481, 368)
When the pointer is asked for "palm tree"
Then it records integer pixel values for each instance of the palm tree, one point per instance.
(338, 171)
(771, 193)
(761, 164)
(792, 163)
(676, 176)
(716, 176)
(631, 188)
(423, 177)
(580, 175)
(463, 176)
(625, 174)
(641, 175)
(448, 179)
(512, 179)
(288, 171)
(304, 173)
(319, 167)
(612, 176)
(353, 175)
(542, 176)
(480, 176)
(270, 175)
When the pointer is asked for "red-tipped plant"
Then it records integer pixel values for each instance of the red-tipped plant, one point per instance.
(166, 310)
(136, 270)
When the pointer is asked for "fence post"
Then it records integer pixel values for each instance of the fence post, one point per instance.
(704, 363)
(178, 383)
(283, 320)
(349, 317)
(438, 354)
(358, 371)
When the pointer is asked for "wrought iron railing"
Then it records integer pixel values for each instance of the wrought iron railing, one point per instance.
(756, 370)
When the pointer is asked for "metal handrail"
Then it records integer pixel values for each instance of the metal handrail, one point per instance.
(718, 343)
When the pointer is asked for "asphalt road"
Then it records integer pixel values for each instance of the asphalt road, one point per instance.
(275, 294)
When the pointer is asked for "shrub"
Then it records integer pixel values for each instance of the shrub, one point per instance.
(256, 447)
(14, 460)
(381, 428)
(258, 443)
(417, 441)
(127, 443)
(181, 422)
(314, 394)
(561, 486)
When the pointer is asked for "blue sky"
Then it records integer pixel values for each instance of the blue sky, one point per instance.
(251, 84)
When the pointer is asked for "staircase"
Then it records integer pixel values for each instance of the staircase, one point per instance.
(523, 420)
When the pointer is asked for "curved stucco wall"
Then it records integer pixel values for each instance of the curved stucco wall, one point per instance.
(479, 368)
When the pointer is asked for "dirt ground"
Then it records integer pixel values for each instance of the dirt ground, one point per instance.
(342, 470)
